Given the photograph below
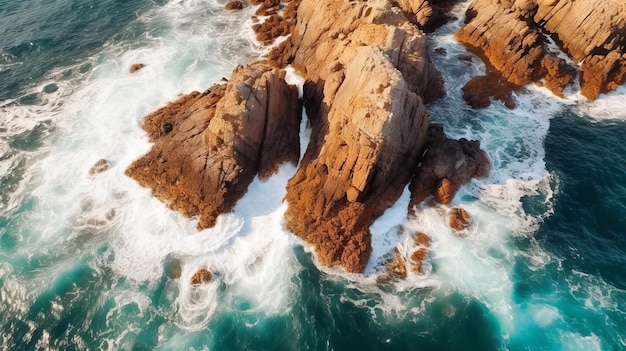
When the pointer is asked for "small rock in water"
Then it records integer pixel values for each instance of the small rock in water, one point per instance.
(99, 167)
(234, 5)
(50, 88)
(441, 51)
(201, 276)
(136, 67)
(396, 268)
(459, 219)
(172, 268)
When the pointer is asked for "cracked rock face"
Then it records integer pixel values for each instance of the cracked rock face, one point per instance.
(447, 165)
(368, 73)
(512, 37)
(209, 146)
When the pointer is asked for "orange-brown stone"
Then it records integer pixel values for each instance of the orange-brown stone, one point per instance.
(136, 67)
(202, 276)
(459, 219)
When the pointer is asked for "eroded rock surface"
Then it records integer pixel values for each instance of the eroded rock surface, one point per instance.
(202, 276)
(100, 166)
(367, 73)
(427, 14)
(209, 146)
(459, 219)
(279, 19)
(511, 35)
(447, 165)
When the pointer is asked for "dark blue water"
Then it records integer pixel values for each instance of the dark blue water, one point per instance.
(38, 36)
(541, 270)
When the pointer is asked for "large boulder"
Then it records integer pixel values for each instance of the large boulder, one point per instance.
(209, 146)
(446, 166)
(512, 37)
(368, 73)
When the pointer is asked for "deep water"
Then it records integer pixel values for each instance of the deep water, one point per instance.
(96, 263)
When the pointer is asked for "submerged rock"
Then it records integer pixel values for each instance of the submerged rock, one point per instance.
(100, 166)
(420, 254)
(447, 165)
(234, 5)
(136, 67)
(459, 219)
(396, 268)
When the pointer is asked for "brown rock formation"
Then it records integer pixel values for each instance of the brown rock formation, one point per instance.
(422, 242)
(427, 14)
(459, 219)
(396, 268)
(99, 167)
(136, 67)
(202, 276)
(278, 23)
(367, 71)
(209, 146)
(509, 34)
(447, 165)
(234, 5)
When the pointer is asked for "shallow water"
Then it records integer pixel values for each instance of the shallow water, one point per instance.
(89, 262)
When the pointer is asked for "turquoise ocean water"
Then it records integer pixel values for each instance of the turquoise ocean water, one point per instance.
(86, 263)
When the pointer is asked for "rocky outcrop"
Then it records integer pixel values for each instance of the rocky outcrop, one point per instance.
(100, 166)
(234, 5)
(446, 166)
(512, 37)
(459, 219)
(209, 146)
(420, 254)
(427, 14)
(396, 267)
(202, 276)
(280, 19)
(367, 73)
(136, 67)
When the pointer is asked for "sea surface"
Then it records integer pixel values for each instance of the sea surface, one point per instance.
(92, 262)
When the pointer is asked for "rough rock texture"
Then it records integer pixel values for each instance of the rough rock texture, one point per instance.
(99, 167)
(509, 35)
(209, 146)
(479, 91)
(234, 5)
(447, 165)
(202, 276)
(459, 219)
(136, 67)
(426, 14)
(280, 21)
(367, 73)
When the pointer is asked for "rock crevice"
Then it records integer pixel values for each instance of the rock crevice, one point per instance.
(513, 36)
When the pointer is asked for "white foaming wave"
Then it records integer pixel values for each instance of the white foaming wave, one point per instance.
(256, 265)
(608, 107)
(100, 118)
(479, 260)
